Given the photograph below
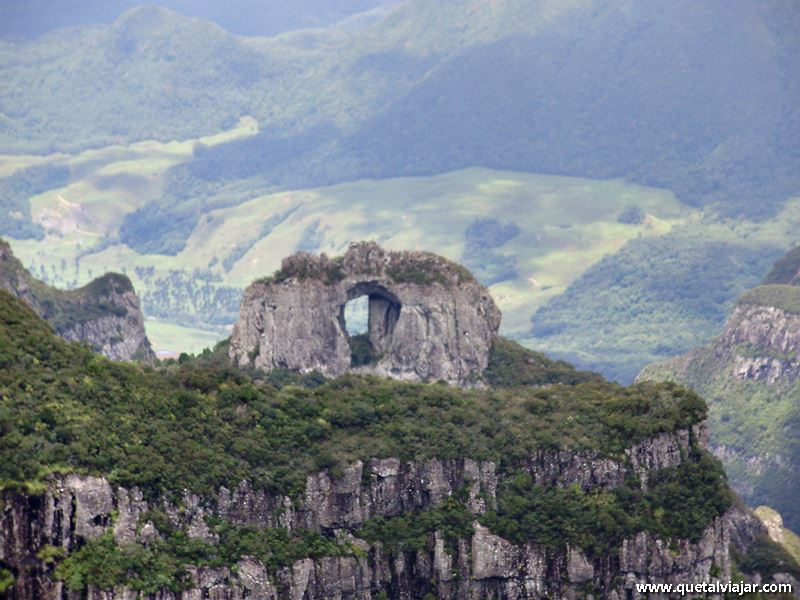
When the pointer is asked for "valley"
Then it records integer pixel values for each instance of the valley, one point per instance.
(573, 223)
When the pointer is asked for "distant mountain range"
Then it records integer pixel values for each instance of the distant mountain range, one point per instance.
(26, 19)
(698, 97)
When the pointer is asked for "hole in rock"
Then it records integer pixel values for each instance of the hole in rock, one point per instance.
(369, 317)
(356, 316)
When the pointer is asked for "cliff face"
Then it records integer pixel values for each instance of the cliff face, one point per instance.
(109, 318)
(105, 314)
(750, 376)
(75, 509)
(762, 343)
(428, 318)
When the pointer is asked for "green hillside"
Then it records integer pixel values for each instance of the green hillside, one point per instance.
(202, 424)
(497, 85)
(784, 297)
(751, 421)
(462, 215)
(649, 301)
(660, 297)
(748, 374)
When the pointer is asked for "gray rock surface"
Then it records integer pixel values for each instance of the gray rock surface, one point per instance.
(428, 318)
(105, 314)
(75, 509)
(772, 337)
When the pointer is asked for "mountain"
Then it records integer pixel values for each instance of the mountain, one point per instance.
(104, 314)
(194, 478)
(659, 297)
(750, 374)
(28, 19)
(543, 91)
(609, 89)
(698, 97)
(147, 75)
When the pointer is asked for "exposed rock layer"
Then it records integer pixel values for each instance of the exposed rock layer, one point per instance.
(750, 375)
(764, 342)
(105, 314)
(75, 509)
(428, 318)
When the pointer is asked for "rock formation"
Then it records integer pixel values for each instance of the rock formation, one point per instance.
(105, 314)
(75, 509)
(768, 338)
(428, 318)
(750, 376)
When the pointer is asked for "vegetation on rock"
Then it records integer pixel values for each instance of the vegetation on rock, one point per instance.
(511, 364)
(785, 270)
(67, 311)
(362, 353)
(198, 423)
(678, 504)
(198, 426)
(783, 297)
(162, 563)
(653, 299)
(749, 375)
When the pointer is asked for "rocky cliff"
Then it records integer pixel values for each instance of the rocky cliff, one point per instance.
(105, 314)
(428, 318)
(73, 510)
(195, 480)
(750, 375)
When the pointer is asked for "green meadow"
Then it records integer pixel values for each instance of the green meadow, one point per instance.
(562, 225)
(565, 224)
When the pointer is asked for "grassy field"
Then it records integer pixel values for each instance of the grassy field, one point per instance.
(169, 340)
(566, 224)
(563, 226)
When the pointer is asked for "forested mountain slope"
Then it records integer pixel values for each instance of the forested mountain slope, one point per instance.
(660, 297)
(750, 375)
(195, 478)
(693, 96)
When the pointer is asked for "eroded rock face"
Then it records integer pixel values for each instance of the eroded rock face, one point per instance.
(105, 314)
(428, 318)
(113, 323)
(75, 509)
(765, 341)
(750, 375)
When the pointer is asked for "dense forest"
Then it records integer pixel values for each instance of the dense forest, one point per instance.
(199, 423)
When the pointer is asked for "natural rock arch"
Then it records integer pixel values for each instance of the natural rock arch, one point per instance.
(428, 317)
(383, 313)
